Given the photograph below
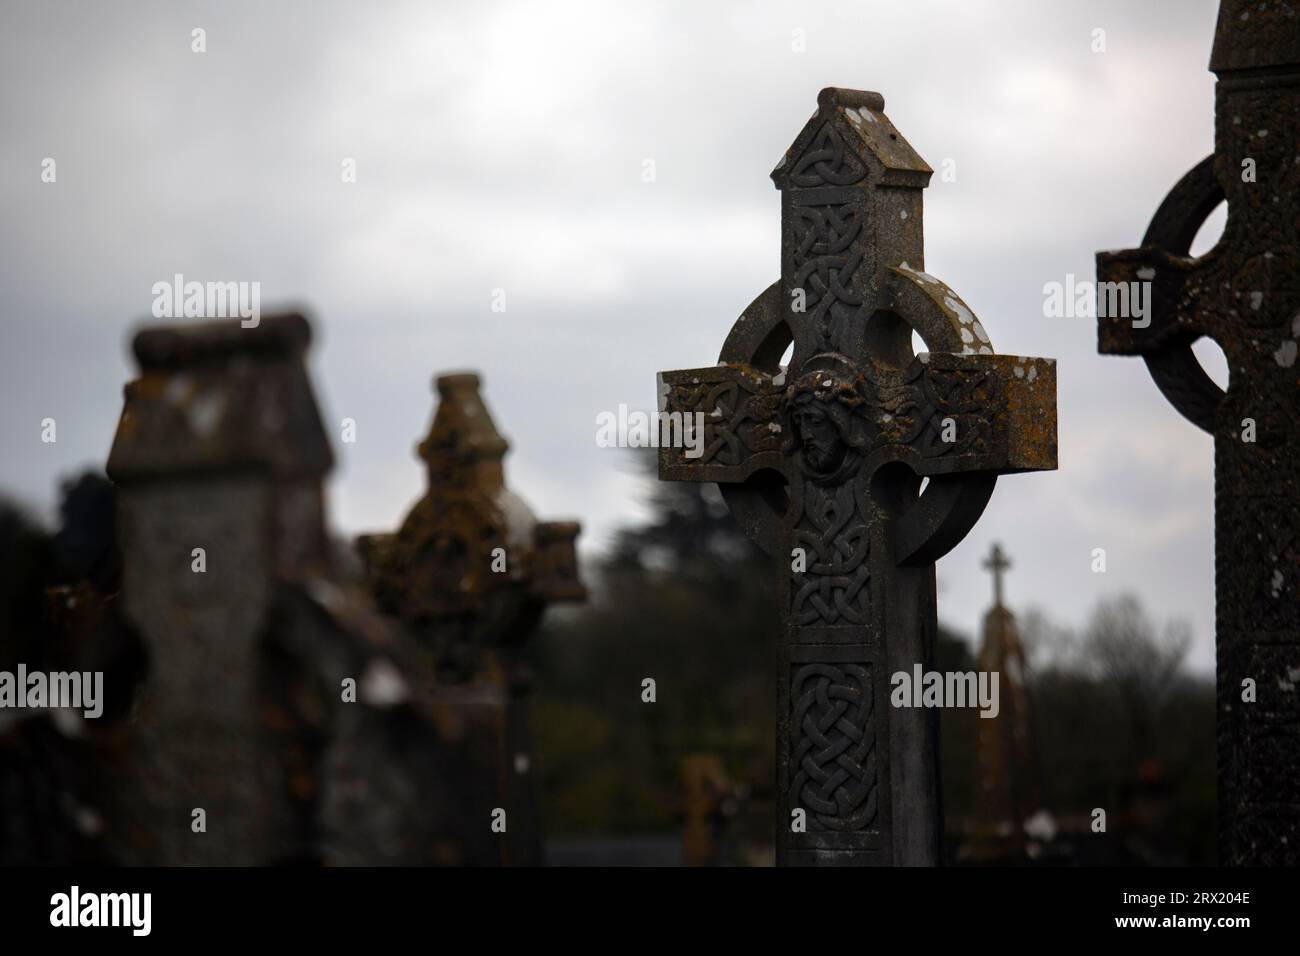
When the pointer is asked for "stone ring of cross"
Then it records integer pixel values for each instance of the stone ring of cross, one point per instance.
(1174, 367)
(931, 524)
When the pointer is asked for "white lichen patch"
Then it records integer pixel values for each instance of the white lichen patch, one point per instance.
(204, 413)
(67, 721)
(1146, 273)
(1285, 355)
(382, 684)
(859, 116)
(923, 276)
(968, 322)
(327, 594)
(178, 389)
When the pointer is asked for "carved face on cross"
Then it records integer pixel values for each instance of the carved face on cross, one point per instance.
(828, 432)
(821, 462)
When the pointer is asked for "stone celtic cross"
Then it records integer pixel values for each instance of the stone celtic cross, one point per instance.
(469, 573)
(1245, 295)
(823, 466)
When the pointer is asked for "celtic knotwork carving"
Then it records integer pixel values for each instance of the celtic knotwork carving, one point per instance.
(832, 746)
(839, 415)
(737, 415)
(828, 162)
(836, 542)
(1266, 591)
(1264, 195)
(963, 396)
(827, 256)
(1260, 291)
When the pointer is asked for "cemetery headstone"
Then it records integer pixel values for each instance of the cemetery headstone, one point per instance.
(279, 719)
(822, 463)
(469, 574)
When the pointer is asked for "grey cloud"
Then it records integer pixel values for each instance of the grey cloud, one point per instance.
(500, 145)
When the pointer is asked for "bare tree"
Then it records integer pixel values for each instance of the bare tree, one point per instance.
(1137, 662)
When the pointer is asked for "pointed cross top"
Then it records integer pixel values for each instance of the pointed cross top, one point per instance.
(463, 446)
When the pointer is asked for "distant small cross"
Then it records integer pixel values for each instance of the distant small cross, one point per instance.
(997, 562)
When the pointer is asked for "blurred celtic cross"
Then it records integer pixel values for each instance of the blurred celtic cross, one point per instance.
(469, 574)
(1244, 294)
(822, 462)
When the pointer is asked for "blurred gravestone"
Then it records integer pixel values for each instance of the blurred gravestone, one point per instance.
(822, 466)
(469, 573)
(1245, 295)
(243, 745)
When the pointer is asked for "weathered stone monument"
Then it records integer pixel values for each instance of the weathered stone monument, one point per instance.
(822, 463)
(469, 574)
(244, 744)
(1245, 295)
(1007, 775)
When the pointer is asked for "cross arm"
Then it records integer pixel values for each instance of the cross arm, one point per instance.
(1163, 336)
(948, 414)
(1149, 300)
(738, 407)
(943, 414)
(1172, 283)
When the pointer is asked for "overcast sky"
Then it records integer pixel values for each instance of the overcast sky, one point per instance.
(502, 146)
